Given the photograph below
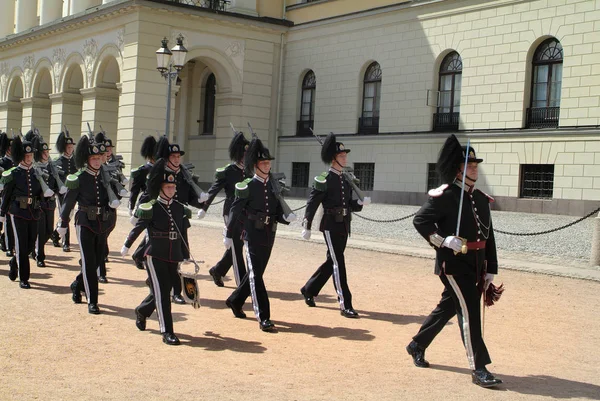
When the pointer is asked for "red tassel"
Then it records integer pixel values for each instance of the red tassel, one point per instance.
(493, 294)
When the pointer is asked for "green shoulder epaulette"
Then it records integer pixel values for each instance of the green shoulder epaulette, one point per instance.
(241, 188)
(187, 212)
(73, 180)
(320, 183)
(144, 211)
(220, 172)
(7, 176)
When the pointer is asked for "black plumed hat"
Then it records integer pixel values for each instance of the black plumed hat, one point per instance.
(255, 153)
(39, 146)
(162, 148)
(86, 148)
(449, 159)
(148, 147)
(29, 136)
(238, 146)
(101, 138)
(17, 151)
(331, 148)
(4, 143)
(156, 177)
(63, 140)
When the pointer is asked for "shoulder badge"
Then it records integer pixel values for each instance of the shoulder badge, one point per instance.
(492, 200)
(73, 180)
(437, 192)
(7, 176)
(320, 183)
(241, 188)
(220, 172)
(144, 211)
(187, 212)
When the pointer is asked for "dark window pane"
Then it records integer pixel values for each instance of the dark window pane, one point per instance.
(537, 181)
(365, 172)
(300, 173)
(433, 177)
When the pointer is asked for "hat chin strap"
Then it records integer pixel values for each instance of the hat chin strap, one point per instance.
(258, 168)
(473, 180)
(164, 196)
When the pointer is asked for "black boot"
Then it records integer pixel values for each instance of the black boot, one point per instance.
(482, 377)
(418, 355)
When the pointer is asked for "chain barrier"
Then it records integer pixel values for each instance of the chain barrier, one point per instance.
(384, 221)
(551, 230)
(300, 208)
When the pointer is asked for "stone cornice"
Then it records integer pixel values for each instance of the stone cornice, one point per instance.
(100, 93)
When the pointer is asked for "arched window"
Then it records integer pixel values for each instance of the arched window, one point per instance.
(369, 121)
(209, 104)
(307, 105)
(545, 85)
(448, 110)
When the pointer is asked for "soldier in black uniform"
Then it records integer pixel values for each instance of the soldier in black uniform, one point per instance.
(94, 219)
(66, 146)
(6, 162)
(48, 205)
(226, 178)
(138, 189)
(463, 259)
(258, 209)
(21, 200)
(333, 191)
(163, 219)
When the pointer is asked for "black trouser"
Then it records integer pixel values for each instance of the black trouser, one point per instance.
(257, 258)
(9, 235)
(162, 276)
(91, 247)
(25, 232)
(462, 298)
(102, 261)
(233, 256)
(139, 255)
(45, 228)
(336, 265)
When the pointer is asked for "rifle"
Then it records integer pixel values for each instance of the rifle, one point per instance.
(47, 192)
(187, 176)
(278, 189)
(53, 171)
(113, 201)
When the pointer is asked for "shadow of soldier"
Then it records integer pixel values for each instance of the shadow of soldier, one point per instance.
(543, 385)
(318, 331)
(394, 318)
(216, 342)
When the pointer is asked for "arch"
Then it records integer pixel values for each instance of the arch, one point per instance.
(108, 58)
(306, 103)
(360, 79)
(15, 90)
(438, 63)
(42, 83)
(71, 63)
(228, 77)
(370, 101)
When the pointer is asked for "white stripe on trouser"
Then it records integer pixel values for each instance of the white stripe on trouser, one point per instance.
(6, 241)
(465, 322)
(336, 270)
(236, 273)
(86, 285)
(14, 227)
(252, 282)
(157, 294)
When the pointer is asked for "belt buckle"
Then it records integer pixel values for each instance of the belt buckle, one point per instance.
(172, 235)
(267, 219)
(29, 201)
(344, 212)
(98, 210)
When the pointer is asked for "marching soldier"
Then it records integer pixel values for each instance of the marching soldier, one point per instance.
(94, 219)
(48, 205)
(6, 163)
(163, 219)
(226, 178)
(138, 189)
(334, 192)
(21, 200)
(465, 256)
(66, 146)
(256, 207)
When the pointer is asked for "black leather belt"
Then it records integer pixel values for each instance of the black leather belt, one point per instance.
(262, 217)
(337, 211)
(92, 209)
(24, 201)
(172, 235)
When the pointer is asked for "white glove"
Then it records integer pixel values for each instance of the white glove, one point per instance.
(203, 197)
(2, 219)
(453, 243)
(306, 234)
(133, 220)
(63, 190)
(201, 213)
(124, 251)
(227, 242)
(114, 204)
(62, 231)
(488, 280)
(125, 181)
(290, 218)
(123, 192)
(366, 201)
(48, 193)
(224, 231)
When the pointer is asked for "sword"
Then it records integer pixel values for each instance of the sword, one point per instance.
(464, 248)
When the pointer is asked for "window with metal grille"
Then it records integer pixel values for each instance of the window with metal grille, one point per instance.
(209, 104)
(546, 84)
(368, 123)
(433, 177)
(537, 181)
(300, 173)
(365, 172)
(448, 110)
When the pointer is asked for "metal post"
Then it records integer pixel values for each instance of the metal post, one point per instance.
(168, 123)
(595, 260)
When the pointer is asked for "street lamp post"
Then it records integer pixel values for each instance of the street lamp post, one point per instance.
(170, 62)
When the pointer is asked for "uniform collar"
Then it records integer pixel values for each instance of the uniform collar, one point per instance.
(68, 157)
(92, 172)
(42, 164)
(24, 167)
(165, 201)
(260, 179)
(338, 172)
(468, 188)
(171, 170)
(240, 166)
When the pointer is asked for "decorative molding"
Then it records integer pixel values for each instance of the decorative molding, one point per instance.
(28, 66)
(121, 41)
(236, 51)
(90, 51)
(59, 56)
(4, 71)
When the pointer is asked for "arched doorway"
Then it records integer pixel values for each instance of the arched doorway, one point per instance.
(36, 109)
(14, 108)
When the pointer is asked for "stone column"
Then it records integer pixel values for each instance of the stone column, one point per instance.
(65, 110)
(7, 17)
(247, 7)
(78, 6)
(36, 110)
(11, 116)
(100, 107)
(228, 108)
(50, 10)
(26, 15)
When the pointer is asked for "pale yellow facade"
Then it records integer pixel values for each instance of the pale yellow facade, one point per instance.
(79, 61)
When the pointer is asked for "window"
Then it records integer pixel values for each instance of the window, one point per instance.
(365, 172)
(209, 104)
(433, 177)
(448, 110)
(537, 181)
(307, 105)
(300, 175)
(545, 85)
(369, 122)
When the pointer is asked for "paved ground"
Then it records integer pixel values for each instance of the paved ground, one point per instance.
(543, 335)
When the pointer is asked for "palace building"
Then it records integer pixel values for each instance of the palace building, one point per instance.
(519, 78)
